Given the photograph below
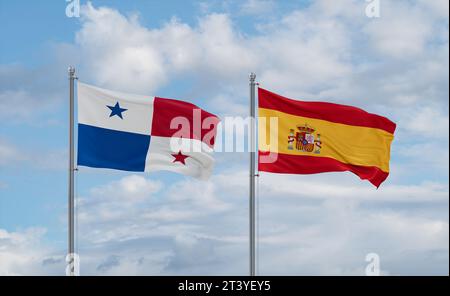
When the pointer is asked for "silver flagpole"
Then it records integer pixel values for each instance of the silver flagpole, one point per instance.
(71, 247)
(252, 78)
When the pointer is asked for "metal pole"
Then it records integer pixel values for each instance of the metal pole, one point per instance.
(71, 231)
(252, 207)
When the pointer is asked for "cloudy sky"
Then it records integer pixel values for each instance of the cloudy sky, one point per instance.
(161, 223)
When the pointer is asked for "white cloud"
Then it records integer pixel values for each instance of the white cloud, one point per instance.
(12, 99)
(426, 121)
(439, 8)
(117, 50)
(214, 51)
(337, 241)
(24, 253)
(310, 53)
(317, 189)
(306, 226)
(397, 33)
(9, 154)
(133, 187)
(116, 200)
(198, 193)
(12, 155)
(120, 52)
(432, 155)
(30, 95)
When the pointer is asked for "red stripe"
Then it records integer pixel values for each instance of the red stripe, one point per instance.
(302, 164)
(165, 110)
(326, 111)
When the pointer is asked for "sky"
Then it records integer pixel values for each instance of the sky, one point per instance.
(395, 64)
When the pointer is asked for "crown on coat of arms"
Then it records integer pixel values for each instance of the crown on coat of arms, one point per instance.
(305, 128)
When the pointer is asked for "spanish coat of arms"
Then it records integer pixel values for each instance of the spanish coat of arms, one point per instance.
(303, 139)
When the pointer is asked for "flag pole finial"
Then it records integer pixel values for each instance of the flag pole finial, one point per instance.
(71, 71)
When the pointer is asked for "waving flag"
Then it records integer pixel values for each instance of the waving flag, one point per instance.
(143, 133)
(316, 137)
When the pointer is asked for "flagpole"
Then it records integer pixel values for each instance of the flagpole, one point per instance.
(71, 204)
(252, 203)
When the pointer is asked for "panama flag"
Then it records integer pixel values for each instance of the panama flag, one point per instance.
(143, 133)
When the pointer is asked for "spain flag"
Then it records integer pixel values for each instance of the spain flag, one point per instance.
(297, 137)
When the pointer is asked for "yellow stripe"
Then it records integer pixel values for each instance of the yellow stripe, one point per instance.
(346, 143)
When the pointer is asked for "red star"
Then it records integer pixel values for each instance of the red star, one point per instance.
(180, 157)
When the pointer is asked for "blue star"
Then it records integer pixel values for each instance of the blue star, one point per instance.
(116, 110)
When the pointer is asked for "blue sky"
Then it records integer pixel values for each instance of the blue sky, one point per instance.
(202, 51)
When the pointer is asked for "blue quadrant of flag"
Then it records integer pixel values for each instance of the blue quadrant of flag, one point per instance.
(106, 148)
